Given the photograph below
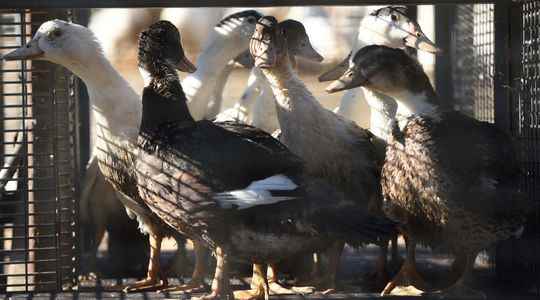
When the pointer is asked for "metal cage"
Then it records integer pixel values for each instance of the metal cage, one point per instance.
(38, 215)
(492, 72)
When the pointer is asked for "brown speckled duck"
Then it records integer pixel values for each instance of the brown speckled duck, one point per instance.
(450, 179)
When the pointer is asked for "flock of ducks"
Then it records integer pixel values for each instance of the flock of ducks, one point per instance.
(224, 181)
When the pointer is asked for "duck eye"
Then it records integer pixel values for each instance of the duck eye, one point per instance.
(394, 18)
(418, 34)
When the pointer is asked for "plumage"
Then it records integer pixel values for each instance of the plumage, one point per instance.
(185, 167)
(117, 112)
(230, 37)
(452, 180)
(388, 26)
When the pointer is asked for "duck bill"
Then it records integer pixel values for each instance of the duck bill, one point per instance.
(185, 65)
(28, 51)
(345, 82)
(336, 72)
(417, 39)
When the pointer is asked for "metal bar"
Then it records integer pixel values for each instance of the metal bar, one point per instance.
(13, 94)
(217, 3)
(35, 225)
(23, 179)
(30, 274)
(502, 66)
(41, 283)
(24, 250)
(26, 238)
(12, 81)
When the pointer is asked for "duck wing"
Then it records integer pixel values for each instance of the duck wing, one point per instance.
(482, 165)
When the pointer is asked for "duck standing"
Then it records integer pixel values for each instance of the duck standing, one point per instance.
(450, 179)
(233, 186)
(77, 48)
(333, 148)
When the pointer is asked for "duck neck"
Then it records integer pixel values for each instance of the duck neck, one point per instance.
(115, 105)
(200, 86)
(424, 103)
(289, 91)
(164, 101)
(382, 110)
(299, 114)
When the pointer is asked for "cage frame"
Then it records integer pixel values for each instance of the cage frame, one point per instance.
(504, 85)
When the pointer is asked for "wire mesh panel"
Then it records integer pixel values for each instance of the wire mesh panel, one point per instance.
(473, 50)
(526, 119)
(38, 211)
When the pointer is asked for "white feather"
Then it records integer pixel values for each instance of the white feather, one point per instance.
(257, 193)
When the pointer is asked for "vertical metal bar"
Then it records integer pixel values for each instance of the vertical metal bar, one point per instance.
(24, 170)
(445, 16)
(502, 66)
(57, 229)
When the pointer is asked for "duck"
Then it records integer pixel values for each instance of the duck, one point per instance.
(388, 26)
(229, 39)
(233, 186)
(332, 147)
(449, 179)
(117, 112)
(256, 106)
(392, 27)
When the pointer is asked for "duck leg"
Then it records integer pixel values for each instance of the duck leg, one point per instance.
(196, 284)
(407, 282)
(327, 283)
(396, 260)
(461, 289)
(154, 278)
(220, 284)
(277, 289)
(259, 285)
(379, 277)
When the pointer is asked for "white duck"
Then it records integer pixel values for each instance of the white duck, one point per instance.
(117, 112)
(391, 27)
(229, 39)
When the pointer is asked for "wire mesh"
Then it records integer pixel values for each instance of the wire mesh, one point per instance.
(526, 111)
(473, 51)
(38, 211)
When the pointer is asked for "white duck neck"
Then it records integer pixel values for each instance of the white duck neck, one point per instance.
(300, 115)
(116, 107)
(383, 110)
(415, 104)
(199, 86)
(288, 89)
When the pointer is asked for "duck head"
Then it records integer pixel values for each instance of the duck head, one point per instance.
(68, 44)
(397, 30)
(387, 70)
(161, 43)
(388, 26)
(272, 42)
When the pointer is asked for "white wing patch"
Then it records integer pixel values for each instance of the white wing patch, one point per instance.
(257, 193)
